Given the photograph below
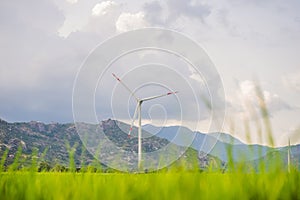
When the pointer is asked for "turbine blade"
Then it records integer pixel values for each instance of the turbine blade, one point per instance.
(133, 119)
(158, 96)
(127, 88)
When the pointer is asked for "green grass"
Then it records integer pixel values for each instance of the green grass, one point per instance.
(167, 185)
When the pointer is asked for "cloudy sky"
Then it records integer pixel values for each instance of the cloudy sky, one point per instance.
(44, 43)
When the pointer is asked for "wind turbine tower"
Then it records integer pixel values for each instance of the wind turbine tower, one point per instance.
(289, 156)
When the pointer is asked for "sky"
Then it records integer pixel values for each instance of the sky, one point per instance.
(44, 43)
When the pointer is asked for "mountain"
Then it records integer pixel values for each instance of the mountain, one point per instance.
(279, 157)
(219, 145)
(170, 132)
(226, 138)
(49, 139)
(54, 142)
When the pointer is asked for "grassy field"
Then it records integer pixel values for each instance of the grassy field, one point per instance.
(163, 185)
(238, 181)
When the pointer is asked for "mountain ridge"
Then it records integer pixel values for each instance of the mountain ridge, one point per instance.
(52, 137)
(219, 143)
(56, 138)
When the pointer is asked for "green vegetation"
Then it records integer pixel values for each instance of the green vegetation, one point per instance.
(162, 185)
(236, 181)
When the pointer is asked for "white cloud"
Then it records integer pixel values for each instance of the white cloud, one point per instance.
(102, 19)
(154, 12)
(274, 102)
(172, 12)
(195, 75)
(247, 95)
(291, 134)
(292, 81)
(247, 89)
(104, 8)
(188, 8)
(129, 21)
(72, 1)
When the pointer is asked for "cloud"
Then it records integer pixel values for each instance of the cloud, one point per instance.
(247, 96)
(37, 66)
(72, 1)
(20, 15)
(129, 21)
(24, 51)
(102, 19)
(274, 102)
(172, 11)
(154, 12)
(90, 17)
(104, 8)
(292, 81)
(195, 75)
(188, 8)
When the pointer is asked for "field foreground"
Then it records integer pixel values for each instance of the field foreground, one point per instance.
(176, 185)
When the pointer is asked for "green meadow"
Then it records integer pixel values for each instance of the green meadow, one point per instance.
(161, 185)
(237, 181)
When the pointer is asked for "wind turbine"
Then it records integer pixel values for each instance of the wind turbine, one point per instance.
(138, 110)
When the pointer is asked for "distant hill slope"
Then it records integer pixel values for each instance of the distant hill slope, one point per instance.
(53, 139)
(44, 137)
(226, 138)
(217, 144)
